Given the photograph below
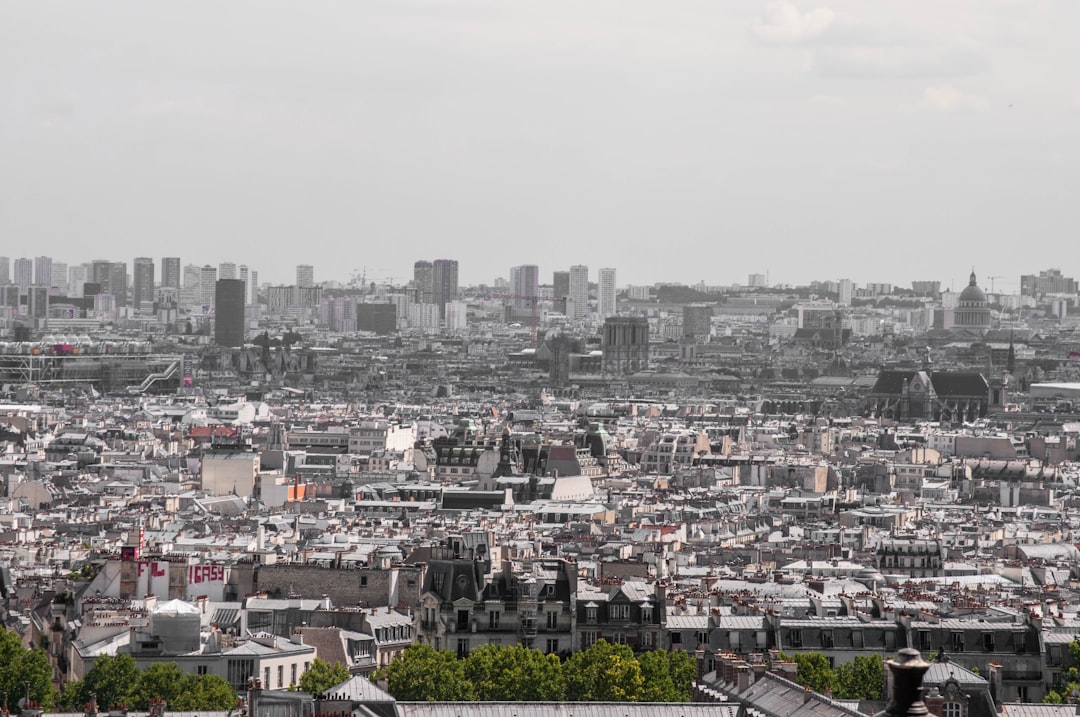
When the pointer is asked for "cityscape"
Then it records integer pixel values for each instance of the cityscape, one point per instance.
(300, 496)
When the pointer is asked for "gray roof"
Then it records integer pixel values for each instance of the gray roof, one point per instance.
(562, 709)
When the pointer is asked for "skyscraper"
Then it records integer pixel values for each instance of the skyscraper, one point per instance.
(100, 270)
(605, 281)
(577, 307)
(560, 290)
(142, 290)
(254, 287)
(118, 282)
(207, 285)
(422, 281)
(5, 270)
(43, 271)
(77, 279)
(444, 283)
(226, 270)
(305, 276)
(229, 312)
(170, 271)
(24, 274)
(245, 276)
(525, 285)
(59, 276)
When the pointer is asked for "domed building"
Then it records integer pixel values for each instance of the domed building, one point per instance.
(972, 312)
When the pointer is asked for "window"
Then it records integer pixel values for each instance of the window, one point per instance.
(676, 638)
(702, 637)
(951, 709)
(437, 581)
(827, 639)
(619, 638)
(646, 613)
(292, 674)
(463, 647)
(363, 581)
(648, 639)
(266, 680)
(493, 620)
(588, 638)
(924, 640)
(552, 620)
(590, 614)
(795, 638)
(957, 642)
(619, 612)
(552, 646)
(200, 670)
(988, 641)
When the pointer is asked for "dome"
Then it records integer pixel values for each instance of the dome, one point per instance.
(972, 294)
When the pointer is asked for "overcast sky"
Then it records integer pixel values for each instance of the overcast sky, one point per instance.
(678, 140)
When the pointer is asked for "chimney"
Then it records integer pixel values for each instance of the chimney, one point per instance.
(906, 671)
(807, 693)
(744, 677)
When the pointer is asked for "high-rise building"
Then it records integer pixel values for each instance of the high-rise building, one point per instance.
(560, 290)
(59, 276)
(226, 270)
(118, 282)
(24, 274)
(100, 270)
(847, 290)
(305, 276)
(43, 271)
(254, 287)
(170, 271)
(245, 276)
(605, 294)
(5, 270)
(577, 306)
(444, 283)
(142, 289)
(77, 279)
(697, 321)
(755, 281)
(208, 285)
(229, 312)
(525, 285)
(422, 281)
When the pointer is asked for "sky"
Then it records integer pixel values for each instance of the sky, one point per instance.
(675, 140)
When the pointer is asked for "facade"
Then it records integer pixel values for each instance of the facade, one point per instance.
(422, 282)
(5, 271)
(578, 297)
(207, 285)
(972, 312)
(911, 557)
(43, 271)
(444, 283)
(1050, 281)
(142, 290)
(227, 270)
(625, 344)
(524, 285)
(23, 273)
(170, 271)
(229, 312)
(118, 282)
(305, 276)
(605, 282)
(378, 318)
(697, 322)
(560, 290)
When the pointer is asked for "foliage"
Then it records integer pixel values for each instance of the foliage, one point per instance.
(814, 671)
(514, 673)
(321, 676)
(1053, 697)
(423, 674)
(603, 673)
(861, 678)
(669, 676)
(112, 679)
(21, 666)
(118, 681)
(204, 692)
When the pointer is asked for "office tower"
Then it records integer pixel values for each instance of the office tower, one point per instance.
(5, 270)
(24, 274)
(605, 284)
(226, 270)
(142, 290)
(59, 276)
(118, 282)
(254, 287)
(170, 271)
(207, 285)
(422, 281)
(525, 285)
(757, 281)
(77, 279)
(245, 276)
(43, 271)
(305, 276)
(577, 307)
(444, 283)
(457, 316)
(560, 290)
(37, 304)
(229, 312)
(100, 270)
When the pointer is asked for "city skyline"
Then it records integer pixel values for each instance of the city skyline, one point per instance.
(744, 133)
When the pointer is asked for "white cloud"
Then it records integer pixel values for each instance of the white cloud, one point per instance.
(946, 98)
(785, 23)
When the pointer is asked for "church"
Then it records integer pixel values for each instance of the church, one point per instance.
(971, 315)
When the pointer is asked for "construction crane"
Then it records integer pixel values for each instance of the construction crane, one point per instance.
(991, 278)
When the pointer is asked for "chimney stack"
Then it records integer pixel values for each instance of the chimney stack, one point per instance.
(907, 670)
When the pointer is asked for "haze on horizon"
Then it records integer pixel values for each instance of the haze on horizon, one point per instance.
(684, 140)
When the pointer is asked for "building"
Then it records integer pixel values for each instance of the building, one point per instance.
(229, 312)
(227, 270)
(24, 273)
(444, 283)
(846, 290)
(142, 290)
(456, 315)
(910, 557)
(560, 290)
(972, 312)
(43, 271)
(931, 289)
(305, 276)
(5, 271)
(59, 276)
(170, 271)
(625, 344)
(422, 282)
(577, 304)
(118, 282)
(207, 286)
(605, 292)
(757, 281)
(254, 286)
(524, 285)
(697, 322)
(1050, 281)
(378, 318)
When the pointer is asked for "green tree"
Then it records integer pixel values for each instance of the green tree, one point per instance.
(204, 692)
(859, 678)
(321, 676)
(1053, 697)
(814, 671)
(659, 685)
(423, 674)
(603, 673)
(162, 680)
(22, 666)
(514, 673)
(112, 679)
